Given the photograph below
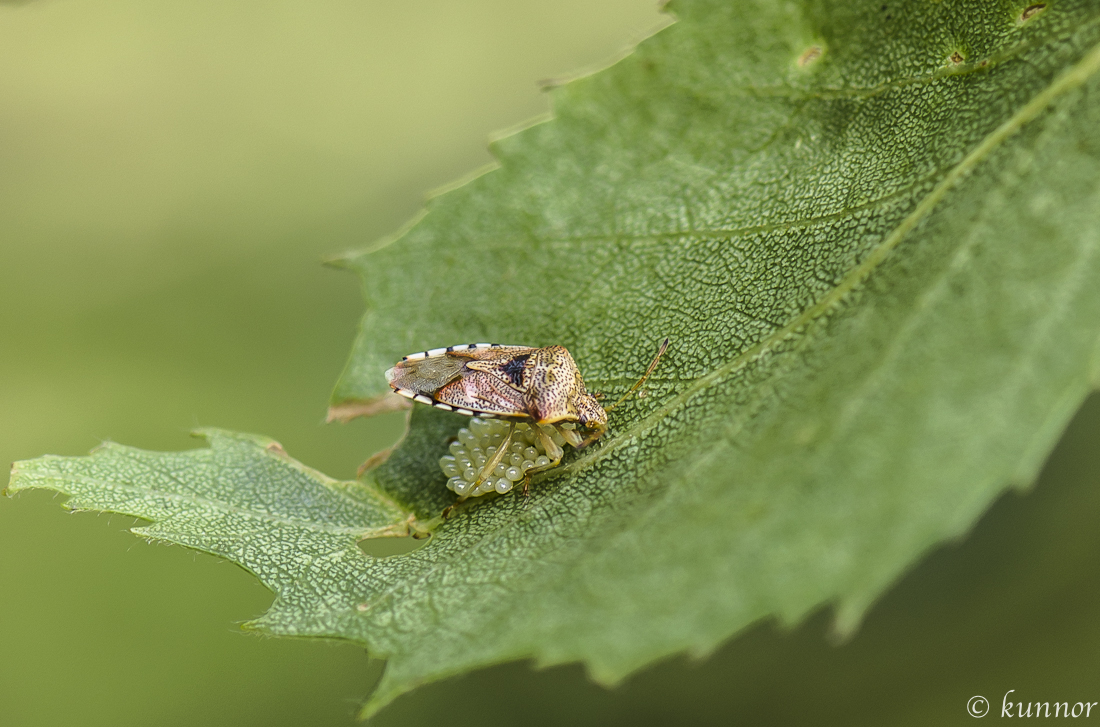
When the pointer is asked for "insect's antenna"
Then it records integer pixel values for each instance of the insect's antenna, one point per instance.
(648, 371)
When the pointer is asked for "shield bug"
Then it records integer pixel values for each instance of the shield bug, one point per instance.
(540, 388)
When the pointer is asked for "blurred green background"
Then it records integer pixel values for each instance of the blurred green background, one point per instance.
(171, 174)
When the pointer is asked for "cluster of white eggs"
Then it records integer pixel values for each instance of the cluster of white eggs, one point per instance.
(477, 445)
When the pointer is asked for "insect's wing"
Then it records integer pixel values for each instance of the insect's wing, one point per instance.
(478, 392)
(424, 376)
(468, 379)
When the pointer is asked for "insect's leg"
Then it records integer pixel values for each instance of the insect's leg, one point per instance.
(553, 452)
(498, 455)
(572, 436)
(598, 431)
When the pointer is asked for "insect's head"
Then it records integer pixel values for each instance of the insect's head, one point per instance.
(589, 412)
(591, 416)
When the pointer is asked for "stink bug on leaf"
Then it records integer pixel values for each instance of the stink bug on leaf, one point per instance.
(539, 387)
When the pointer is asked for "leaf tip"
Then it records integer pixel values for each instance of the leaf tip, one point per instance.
(19, 472)
(352, 259)
(13, 472)
(350, 409)
(207, 433)
(374, 461)
(341, 261)
(848, 617)
(216, 437)
(374, 704)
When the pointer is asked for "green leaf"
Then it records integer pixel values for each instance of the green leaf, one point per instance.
(243, 499)
(872, 231)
